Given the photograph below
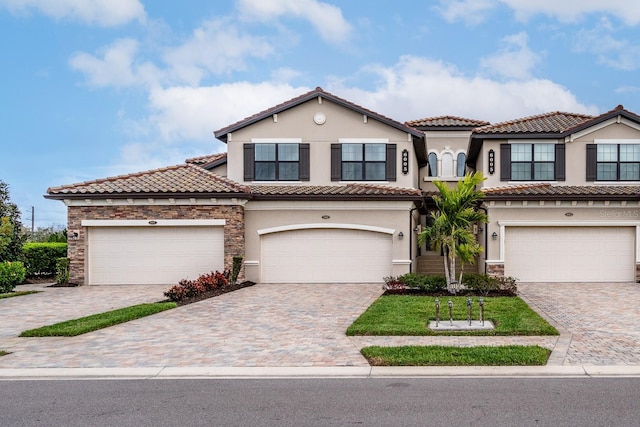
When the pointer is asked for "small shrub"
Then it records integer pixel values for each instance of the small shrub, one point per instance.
(11, 275)
(208, 282)
(237, 265)
(508, 284)
(391, 283)
(424, 282)
(62, 271)
(40, 258)
(485, 284)
(480, 283)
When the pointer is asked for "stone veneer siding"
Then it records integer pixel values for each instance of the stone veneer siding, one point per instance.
(495, 269)
(233, 230)
(638, 273)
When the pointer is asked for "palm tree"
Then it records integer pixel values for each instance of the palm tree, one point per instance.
(450, 232)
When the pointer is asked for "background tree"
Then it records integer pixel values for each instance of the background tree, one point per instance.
(11, 238)
(451, 229)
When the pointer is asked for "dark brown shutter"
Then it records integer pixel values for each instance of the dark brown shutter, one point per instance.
(391, 162)
(249, 162)
(505, 162)
(336, 162)
(592, 162)
(303, 152)
(560, 162)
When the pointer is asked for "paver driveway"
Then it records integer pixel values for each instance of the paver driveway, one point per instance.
(264, 325)
(599, 322)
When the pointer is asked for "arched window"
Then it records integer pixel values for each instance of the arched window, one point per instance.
(433, 164)
(447, 165)
(462, 158)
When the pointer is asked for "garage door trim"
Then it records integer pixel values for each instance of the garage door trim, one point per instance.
(293, 227)
(504, 224)
(153, 222)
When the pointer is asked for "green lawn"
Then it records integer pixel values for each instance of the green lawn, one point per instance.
(17, 294)
(71, 328)
(457, 356)
(409, 315)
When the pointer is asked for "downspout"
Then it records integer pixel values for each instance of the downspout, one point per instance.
(411, 238)
(486, 237)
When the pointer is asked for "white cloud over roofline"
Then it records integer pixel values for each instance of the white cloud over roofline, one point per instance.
(325, 18)
(104, 13)
(475, 11)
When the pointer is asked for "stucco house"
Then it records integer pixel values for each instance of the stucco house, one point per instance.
(321, 190)
(316, 189)
(563, 196)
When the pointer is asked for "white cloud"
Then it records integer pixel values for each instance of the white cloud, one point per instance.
(417, 87)
(616, 53)
(217, 47)
(105, 13)
(116, 66)
(193, 113)
(572, 10)
(514, 60)
(475, 11)
(472, 12)
(325, 18)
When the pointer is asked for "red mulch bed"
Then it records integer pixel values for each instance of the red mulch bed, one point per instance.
(217, 292)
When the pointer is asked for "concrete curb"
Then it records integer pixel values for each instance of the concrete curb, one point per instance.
(319, 372)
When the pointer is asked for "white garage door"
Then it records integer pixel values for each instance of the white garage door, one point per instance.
(325, 256)
(153, 255)
(570, 254)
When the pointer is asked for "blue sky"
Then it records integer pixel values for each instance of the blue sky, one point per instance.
(95, 88)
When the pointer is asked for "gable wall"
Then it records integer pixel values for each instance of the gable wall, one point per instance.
(340, 123)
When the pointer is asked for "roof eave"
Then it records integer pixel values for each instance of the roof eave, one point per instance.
(554, 197)
(159, 195)
(340, 197)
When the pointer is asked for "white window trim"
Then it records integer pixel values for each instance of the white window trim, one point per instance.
(439, 155)
(617, 141)
(276, 140)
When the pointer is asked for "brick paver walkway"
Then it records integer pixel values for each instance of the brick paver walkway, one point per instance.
(264, 325)
(599, 322)
(294, 325)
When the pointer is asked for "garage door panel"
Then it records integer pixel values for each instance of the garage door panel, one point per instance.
(157, 255)
(570, 254)
(325, 256)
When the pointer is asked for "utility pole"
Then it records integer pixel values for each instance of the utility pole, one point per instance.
(33, 220)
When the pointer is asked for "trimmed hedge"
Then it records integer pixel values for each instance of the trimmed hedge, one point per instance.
(11, 275)
(40, 258)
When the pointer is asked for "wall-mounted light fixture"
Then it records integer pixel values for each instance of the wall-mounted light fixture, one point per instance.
(401, 235)
(494, 236)
(74, 235)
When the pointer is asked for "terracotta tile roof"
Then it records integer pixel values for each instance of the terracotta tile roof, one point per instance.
(556, 122)
(446, 121)
(205, 160)
(339, 191)
(176, 180)
(631, 192)
(318, 91)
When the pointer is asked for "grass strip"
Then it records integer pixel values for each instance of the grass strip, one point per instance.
(71, 328)
(410, 314)
(511, 355)
(16, 294)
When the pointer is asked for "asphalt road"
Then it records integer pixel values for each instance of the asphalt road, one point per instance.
(322, 402)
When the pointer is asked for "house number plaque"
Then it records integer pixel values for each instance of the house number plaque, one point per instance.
(492, 162)
(405, 162)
